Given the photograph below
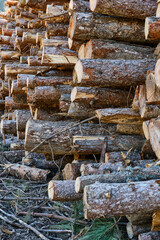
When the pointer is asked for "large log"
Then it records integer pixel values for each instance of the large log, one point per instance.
(96, 48)
(119, 199)
(124, 175)
(89, 25)
(58, 29)
(101, 97)
(81, 110)
(37, 131)
(63, 191)
(111, 73)
(118, 116)
(136, 9)
(8, 127)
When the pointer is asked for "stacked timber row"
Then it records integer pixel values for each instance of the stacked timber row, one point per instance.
(49, 82)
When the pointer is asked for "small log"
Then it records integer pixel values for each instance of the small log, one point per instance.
(9, 55)
(25, 172)
(81, 110)
(56, 42)
(134, 230)
(89, 25)
(152, 27)
(107, 49)
(64, 103)
(119, 199)
(130, 129)
(10, 104)
(93, 144)
(49, 115)
(118, 116)
(114, 157)
(8, 127)
(71, 171)
(101, 97)
(149, 236)
(136, 9)
(33, 82)
(102, 73)
(4, 39)
(15, 89)
(63, 191)
(18, 145)
(128, 174)
(22, 116)
(13, 156)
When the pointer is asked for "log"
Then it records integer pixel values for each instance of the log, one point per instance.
(64, 103)
(125, 175)
(114, 157)
(149, 236)
(154, 127)
(101, 97)
(89, 25)
(71, 171)
(10, 55)
(14, 69)
(119, 199)
(33, 82)
(134, 230)
(37, 131)
(49, 115)
(99, 168)
(147, 151)
(8, 127)
(135, 9)
(56, 42)
(4, 39)
(19, 145)
(22, 116)
(63, 191)
(15, 89)
(93, 144)
(111, 73)
(152, 91)
(78, 6)
(107, 49)
(58, 29)
(74, 44)
(152, 27)
(130, 129)
(13, 156)
(25, 172)
(135, 103)
(118, 116)
(10, 104)
(22, 80)
(81, 110)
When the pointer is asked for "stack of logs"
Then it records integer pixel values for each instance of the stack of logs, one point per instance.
(50, 82)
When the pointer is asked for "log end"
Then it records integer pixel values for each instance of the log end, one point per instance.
(51, 191)
(78, 72)
(77, 185)
(72, 26)
(88, 50)
(129, 230)
(92, 5)
(146, 28)
(73, 94)
(81, 52)
(157, 73)
(85, 202)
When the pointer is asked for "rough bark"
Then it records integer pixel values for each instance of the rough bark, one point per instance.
(33, 82)
(157, 73)
(113, 157)
(49, 115)
(78, 6)
(118, 116)
(108, 49)
(10, 104)
(123, 176)
(20, 135)
(119, 199)
(25, 172)
(58, 29)
(22, 80)
(8, 127)
(101, 97)
(9, 55)
(89, 25)
(37, 131)
(135, 9)
(149, 236)
(22, 116)
(130, 129)
(71, 171)
(134, 230)
(64, 103)
(111, 73)
(93, 144)
(63, 191)
(81, 110)
(13, 156)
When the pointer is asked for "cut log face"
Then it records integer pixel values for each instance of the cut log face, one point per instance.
(152, 28)
(135, 9)
(63, 191)
(152, 91)
(157, 73)
(111, 73)
(119, 199)
(154, 128)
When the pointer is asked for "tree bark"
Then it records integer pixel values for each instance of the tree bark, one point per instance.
(114, 157)
(32, 174)
(136, 9)
(63, 191)
(123, 176)
(13, 156)
(81, 110)
(156, 221)
(10, 104)
(58, 29)
(71, 171)
(8, 127)
(119, 199)
(74, 44)
(130, 129)
(146, 129)
(49, 115)
(108, 49)
(78, 6)
(118, 116)
(37, 131)
(89, 25)
(111, 73)
(22, 116)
